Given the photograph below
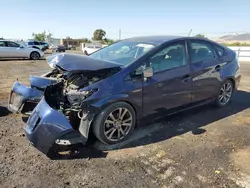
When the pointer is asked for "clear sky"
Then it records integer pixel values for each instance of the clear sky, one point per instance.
(79, 18)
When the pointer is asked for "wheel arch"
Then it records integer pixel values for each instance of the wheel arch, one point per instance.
(86, 127)
(35, 52)
(91, 129)
(232, 79)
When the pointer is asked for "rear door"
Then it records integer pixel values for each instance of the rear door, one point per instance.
(205, 67)
(3, 49)
(170, 85)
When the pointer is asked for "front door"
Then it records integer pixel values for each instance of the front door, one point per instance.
(170, 85)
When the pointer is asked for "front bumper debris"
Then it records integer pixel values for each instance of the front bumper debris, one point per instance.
(21, 94)
(46, 127)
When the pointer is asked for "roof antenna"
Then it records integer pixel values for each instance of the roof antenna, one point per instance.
(190, 32)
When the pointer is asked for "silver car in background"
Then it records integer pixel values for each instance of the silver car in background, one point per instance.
(10, 49)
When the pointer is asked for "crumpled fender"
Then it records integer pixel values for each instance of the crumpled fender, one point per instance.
(25, 93)
(41, 82)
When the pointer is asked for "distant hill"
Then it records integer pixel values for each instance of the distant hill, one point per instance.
(236, 37)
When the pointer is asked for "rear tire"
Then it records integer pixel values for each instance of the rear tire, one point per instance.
(225, 94)
(114, 123)
(34, 55)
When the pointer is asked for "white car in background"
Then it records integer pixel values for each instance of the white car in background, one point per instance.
(10, 49)
(38, 45)
(87, 50)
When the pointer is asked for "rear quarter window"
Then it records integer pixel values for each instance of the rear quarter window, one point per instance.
(219, 50)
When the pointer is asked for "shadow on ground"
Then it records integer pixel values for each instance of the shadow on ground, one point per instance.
(77, 151)
(20, 59)
(156, 131)
(193, 120)
(4, 111)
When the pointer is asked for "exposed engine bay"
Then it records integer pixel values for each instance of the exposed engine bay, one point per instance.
(67, 96)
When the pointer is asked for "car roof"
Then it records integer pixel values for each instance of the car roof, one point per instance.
(3, 40)
(160, 39)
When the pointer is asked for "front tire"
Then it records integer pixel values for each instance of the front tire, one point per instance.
(34, 55)
(115, 123)
(225, 94)
(86, 53)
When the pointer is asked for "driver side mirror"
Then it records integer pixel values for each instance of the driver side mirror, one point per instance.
(148, 72)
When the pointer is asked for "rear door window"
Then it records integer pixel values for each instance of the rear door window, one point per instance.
(219, 50)
(200, 51)
(12, 44)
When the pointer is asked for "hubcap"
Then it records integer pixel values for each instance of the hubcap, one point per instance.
(225, 93)
(118, 124)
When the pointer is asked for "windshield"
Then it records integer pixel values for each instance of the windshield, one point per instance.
(123, 52)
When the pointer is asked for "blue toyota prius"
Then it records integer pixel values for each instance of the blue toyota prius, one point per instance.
(108, 91)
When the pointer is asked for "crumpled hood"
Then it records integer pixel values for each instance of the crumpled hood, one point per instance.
(75, 62)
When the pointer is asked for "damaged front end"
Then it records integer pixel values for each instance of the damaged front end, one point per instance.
(65, 113)
(24, 98)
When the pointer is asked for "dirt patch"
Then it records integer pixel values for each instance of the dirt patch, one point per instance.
(241, 159)
(204, 147)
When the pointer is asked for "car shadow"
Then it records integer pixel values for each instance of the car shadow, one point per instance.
(76, 151)
(20, 59)
(25, 118)
(193, 120)
(155, 131)
(4, 111)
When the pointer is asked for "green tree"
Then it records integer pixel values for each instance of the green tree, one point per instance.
(200, 36)
(42, 36)
(99, 34)
(86, 40)
(107, 41)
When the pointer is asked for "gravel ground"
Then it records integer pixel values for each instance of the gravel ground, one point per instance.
(204, 147)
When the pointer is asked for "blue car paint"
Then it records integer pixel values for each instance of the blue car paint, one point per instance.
(41, 82)
(33, 93)
(45, 125)
(25, 93)
(177, 87)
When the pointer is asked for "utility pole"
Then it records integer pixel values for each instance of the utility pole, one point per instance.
(120, 34)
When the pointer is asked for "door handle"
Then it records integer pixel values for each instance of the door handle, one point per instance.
(186, 78)
(217, 68)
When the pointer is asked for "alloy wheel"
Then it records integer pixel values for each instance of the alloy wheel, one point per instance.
(118, 124)
(34, 55)
(225, 93)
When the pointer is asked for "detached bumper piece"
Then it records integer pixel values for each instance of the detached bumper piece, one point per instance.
(47, 127)
(20, 95)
